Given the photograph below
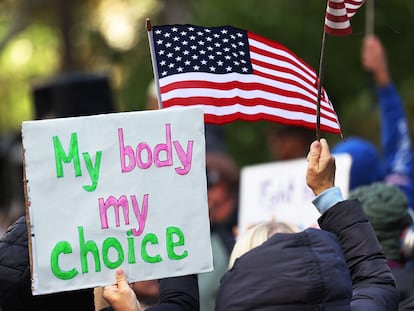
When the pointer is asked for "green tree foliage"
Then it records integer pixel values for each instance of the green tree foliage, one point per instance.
(73, 35)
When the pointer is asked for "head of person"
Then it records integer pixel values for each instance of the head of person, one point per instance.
(289, 142)
(222, 188)
(387, 209)
(366, 166)
(258, 234)
(303, 270)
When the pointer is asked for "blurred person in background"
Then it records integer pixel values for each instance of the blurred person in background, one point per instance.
(63, 96)
(395, 164)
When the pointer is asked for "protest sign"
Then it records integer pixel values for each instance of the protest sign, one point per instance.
(117, 190)
(278, 191)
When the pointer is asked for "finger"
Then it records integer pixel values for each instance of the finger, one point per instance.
(325, 152)
(121, 279)
(314, 153)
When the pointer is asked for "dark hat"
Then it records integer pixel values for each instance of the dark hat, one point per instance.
(387, 209)
(73, 94)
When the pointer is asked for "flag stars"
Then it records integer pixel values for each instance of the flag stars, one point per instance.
(184, 43)
(159, 42)
(176, 38)
(228, 68)
(158, 31)
(180, 69)
(183, 33)
(192, 37)
(244, 69)
(196, 68)
(167, 35)
(169, 55)
(193, 47)
(171, 65)
(203, 62)
(187, 63)
(212, 68)
(186, 52)
(164, 73)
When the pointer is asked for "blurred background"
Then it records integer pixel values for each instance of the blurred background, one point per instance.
(40, 39)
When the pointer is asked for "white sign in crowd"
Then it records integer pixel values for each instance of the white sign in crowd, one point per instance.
(117, 190)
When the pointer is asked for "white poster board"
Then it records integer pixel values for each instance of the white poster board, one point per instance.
(117, 190)
(278, 191)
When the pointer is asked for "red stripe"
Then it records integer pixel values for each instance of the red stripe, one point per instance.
(223, 102)
(208, 118)
(235, 85)
(279, 46)
(227, 86)
(278, 68)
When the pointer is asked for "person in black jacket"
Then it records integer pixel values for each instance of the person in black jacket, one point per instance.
(15, 280)
(341, 267)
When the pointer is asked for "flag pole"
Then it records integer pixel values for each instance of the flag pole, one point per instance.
(320, 82)
(369, 18)
(153, 60)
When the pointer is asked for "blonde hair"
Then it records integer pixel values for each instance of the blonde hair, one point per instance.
(257, 235)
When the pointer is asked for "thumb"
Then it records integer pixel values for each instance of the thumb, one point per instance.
(121, 279)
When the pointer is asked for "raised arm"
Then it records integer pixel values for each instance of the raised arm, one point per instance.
(373, 283)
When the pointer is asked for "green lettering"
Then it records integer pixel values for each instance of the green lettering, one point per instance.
(171, 232)
(131, 247)
(61, 157)
(149, 238)
(63, 247)
(89, 246)
(114, 243)
(92, 170)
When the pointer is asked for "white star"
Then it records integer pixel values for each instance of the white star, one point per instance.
(211, 56)
(233, 37)
(159, 41)
(171, 65)
(216, 35)
(207, 30)
(167, 35)
(217, 45)
(236, 63)
(228, 68)
(210, 48)
(226, 49)
(224, 31)
(186, 52)
(194, 56)
(220, 63)
(225, 40)
(212, 68)
(203, 62)
(183, 33)
(196, 67)
(164, 73)
(187, 63)
(202, 52)
(192, 37)
(180, 69)
(209, 39)
(178, 58)
(239, 34)
(193, 47)
(244, 69)
(184, 42)
(228, 57)
(169, 55)
(201, 42)
(200, 33)
(241, 43)
(191, 28)
(177, 48)
(176, 38)
(158, 31)
(162, 63)
(174, 29)
(168, 44)
(161, 52)
(242, 53)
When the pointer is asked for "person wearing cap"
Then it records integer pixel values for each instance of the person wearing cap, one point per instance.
(387, 209)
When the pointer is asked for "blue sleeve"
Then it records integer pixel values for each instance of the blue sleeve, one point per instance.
(327, 199)
(396, 141)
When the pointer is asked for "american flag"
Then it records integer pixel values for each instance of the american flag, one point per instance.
(339, 14)
(233, 74)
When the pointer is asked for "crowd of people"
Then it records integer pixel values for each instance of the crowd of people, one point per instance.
(354, 261)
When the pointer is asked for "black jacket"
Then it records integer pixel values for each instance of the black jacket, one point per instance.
(313, 269)
(15, 280)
